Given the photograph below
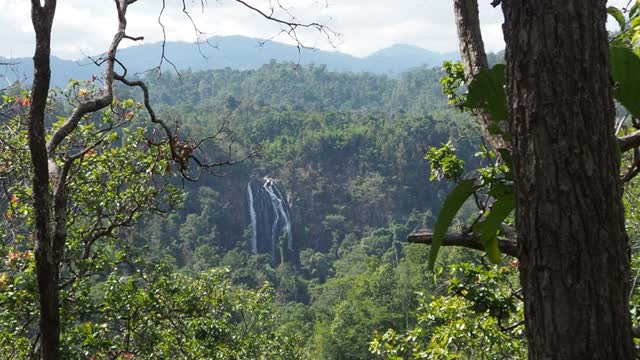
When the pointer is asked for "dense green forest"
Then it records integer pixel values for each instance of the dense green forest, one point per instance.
(348, 150)
(486, 209)
(359, 158)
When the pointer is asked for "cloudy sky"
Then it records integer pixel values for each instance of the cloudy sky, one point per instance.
(85, 27)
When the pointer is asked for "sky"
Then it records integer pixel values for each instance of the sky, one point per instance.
(85, 27)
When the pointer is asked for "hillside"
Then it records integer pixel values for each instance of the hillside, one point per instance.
(318, 219)
(347, 153)
(235, 52)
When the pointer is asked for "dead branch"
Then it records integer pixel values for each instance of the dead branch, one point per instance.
(468, 240)
(629, 141)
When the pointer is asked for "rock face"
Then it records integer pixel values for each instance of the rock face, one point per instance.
(270, 219)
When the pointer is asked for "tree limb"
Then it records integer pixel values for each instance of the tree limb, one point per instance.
(103, 100)
(290, 27)
(47, 269)
(468, 240)
(471, 44)
(629, 141)
(474, 58)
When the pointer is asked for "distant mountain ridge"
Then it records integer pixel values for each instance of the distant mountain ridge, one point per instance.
(237, 52)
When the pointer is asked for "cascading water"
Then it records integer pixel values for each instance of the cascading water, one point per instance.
(270, 217)
(252, 212)
(278, 202)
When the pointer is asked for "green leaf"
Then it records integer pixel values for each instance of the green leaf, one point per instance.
(486, 92)
(625, 69)
(488, 229)
(633, 12)
(505, 154)
(451, 206)
(501, 189)
(618, 15)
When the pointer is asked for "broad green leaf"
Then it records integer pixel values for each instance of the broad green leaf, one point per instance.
(488, 229)
(505, 154)
(500, 190)
(618, 15)
(451, 206)
(486, 92)
(625, 69)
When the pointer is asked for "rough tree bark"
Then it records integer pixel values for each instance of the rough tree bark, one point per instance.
(574, 254)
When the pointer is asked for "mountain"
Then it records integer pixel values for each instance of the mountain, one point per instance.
(236, 52)
(401, 57)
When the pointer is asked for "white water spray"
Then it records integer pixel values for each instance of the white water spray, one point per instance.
(270, 216)
(254, 226)
(287, 218)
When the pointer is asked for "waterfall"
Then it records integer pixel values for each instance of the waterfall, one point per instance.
(284, 210)
(254, 228)
(276, 210)
(278, 206)
(270, 217)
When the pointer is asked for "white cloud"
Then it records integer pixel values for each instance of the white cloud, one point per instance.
(86, 26)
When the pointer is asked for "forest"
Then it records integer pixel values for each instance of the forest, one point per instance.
(349, 152)
(297, 212)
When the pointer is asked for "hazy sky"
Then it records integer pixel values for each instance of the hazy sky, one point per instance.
(85, 27)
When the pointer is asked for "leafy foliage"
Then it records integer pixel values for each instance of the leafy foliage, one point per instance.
(486, 91)
(480, 320)
(444, 163)
(151, 287)
(452, 81)
(452, 204)
(625, 69)
(165, 314)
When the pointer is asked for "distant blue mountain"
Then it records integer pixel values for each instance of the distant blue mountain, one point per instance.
(236, 52)
(400, 57)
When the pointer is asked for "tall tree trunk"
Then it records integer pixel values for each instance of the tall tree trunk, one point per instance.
(47, 260)
(474, 58)
(574, 260)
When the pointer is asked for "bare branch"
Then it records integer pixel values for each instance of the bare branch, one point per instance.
(182, 152)
(629, 141)
(468, 240)
(291, 26)
(163, 56)
(152, 114)
(101, 100)
(201, 36)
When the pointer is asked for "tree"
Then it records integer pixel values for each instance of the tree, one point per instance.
(101, 201)
(51, 169)
(558, 127)
(480, 319)
(574, 251)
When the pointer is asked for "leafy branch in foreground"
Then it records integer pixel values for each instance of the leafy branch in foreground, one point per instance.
(479, 320)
